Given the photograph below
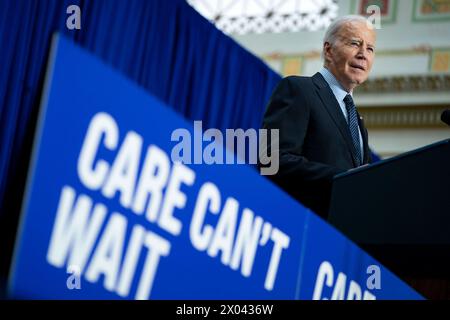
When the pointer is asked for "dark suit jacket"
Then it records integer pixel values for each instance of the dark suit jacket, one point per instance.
(315, 141)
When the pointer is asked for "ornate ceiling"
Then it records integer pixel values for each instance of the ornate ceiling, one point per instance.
(267, 16)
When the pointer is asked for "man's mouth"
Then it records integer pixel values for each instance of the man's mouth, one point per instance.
(357, 66)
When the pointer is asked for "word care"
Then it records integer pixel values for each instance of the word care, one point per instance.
(105, 246)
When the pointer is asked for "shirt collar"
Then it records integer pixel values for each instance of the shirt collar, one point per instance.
(338, 90)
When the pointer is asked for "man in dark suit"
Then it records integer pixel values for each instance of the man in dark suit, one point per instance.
(320, 132)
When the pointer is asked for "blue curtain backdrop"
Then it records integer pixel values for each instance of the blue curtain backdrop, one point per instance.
(163, 45)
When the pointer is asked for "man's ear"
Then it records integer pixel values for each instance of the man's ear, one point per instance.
(326, 53)
(326, 50)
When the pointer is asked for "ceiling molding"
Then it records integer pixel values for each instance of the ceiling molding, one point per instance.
(395, 117)
(402, 84)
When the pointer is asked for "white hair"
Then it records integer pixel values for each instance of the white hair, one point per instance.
(334, 28)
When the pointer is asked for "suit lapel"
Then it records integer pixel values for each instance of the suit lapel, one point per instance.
(332, 106)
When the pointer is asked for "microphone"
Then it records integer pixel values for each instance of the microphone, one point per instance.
(445, 117)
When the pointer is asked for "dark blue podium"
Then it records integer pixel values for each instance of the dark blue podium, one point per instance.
(399, 212)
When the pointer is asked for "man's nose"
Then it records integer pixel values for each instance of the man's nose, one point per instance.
(362, 53)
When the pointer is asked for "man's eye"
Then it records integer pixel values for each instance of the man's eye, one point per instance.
(355, 43)
(371, 49)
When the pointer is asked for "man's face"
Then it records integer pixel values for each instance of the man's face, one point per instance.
(350, 58)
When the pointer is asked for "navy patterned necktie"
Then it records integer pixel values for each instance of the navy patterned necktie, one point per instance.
(353, 126)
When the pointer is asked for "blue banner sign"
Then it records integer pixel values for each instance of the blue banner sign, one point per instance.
(334, 268)
(109, 215)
